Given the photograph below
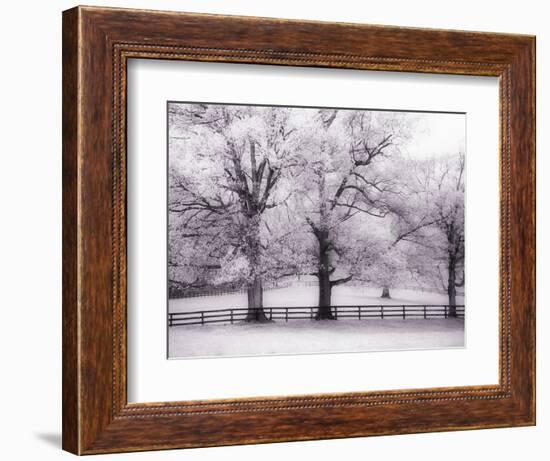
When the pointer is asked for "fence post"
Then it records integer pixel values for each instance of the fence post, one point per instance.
(202, 317)
(270, 313)
(335, 312)
(403, 312)
(424, 312)
(382, 312)
(359, 311)
(445, 311)
(286, 314)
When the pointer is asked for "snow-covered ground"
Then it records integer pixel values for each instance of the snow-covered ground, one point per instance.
(308, 296)
(310, 336)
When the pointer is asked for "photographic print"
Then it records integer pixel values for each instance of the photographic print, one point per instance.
(300, 230)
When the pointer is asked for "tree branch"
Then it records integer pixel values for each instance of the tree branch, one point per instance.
(341, 281)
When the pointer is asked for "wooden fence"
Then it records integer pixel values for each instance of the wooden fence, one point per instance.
(235, 290)
(220, 291)
(239, 314)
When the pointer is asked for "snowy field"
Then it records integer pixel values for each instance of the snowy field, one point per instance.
(310, 336)
(308, 296)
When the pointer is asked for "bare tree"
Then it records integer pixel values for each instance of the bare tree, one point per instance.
(450, 221)
(246, 152)
(431, 222)
(347, 183)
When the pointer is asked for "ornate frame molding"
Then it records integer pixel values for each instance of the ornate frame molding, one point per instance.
(97, 44)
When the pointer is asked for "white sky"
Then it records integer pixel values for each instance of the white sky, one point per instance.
(436, 134)
(433, 134)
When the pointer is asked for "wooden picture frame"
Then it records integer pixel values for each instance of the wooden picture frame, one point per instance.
(97, 43)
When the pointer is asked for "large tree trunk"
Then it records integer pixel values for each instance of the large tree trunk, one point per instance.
(451, 269)
(255, 290)
(324, 312)
(386, 292)
(451, 286)
(256, 302)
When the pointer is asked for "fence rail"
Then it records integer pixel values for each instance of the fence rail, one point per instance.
(240, 314)
(204, 293)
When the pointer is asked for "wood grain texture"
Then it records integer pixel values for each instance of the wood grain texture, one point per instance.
(97, 43)
(70, 384)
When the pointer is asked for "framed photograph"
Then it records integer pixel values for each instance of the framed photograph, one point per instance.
(281, 230)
